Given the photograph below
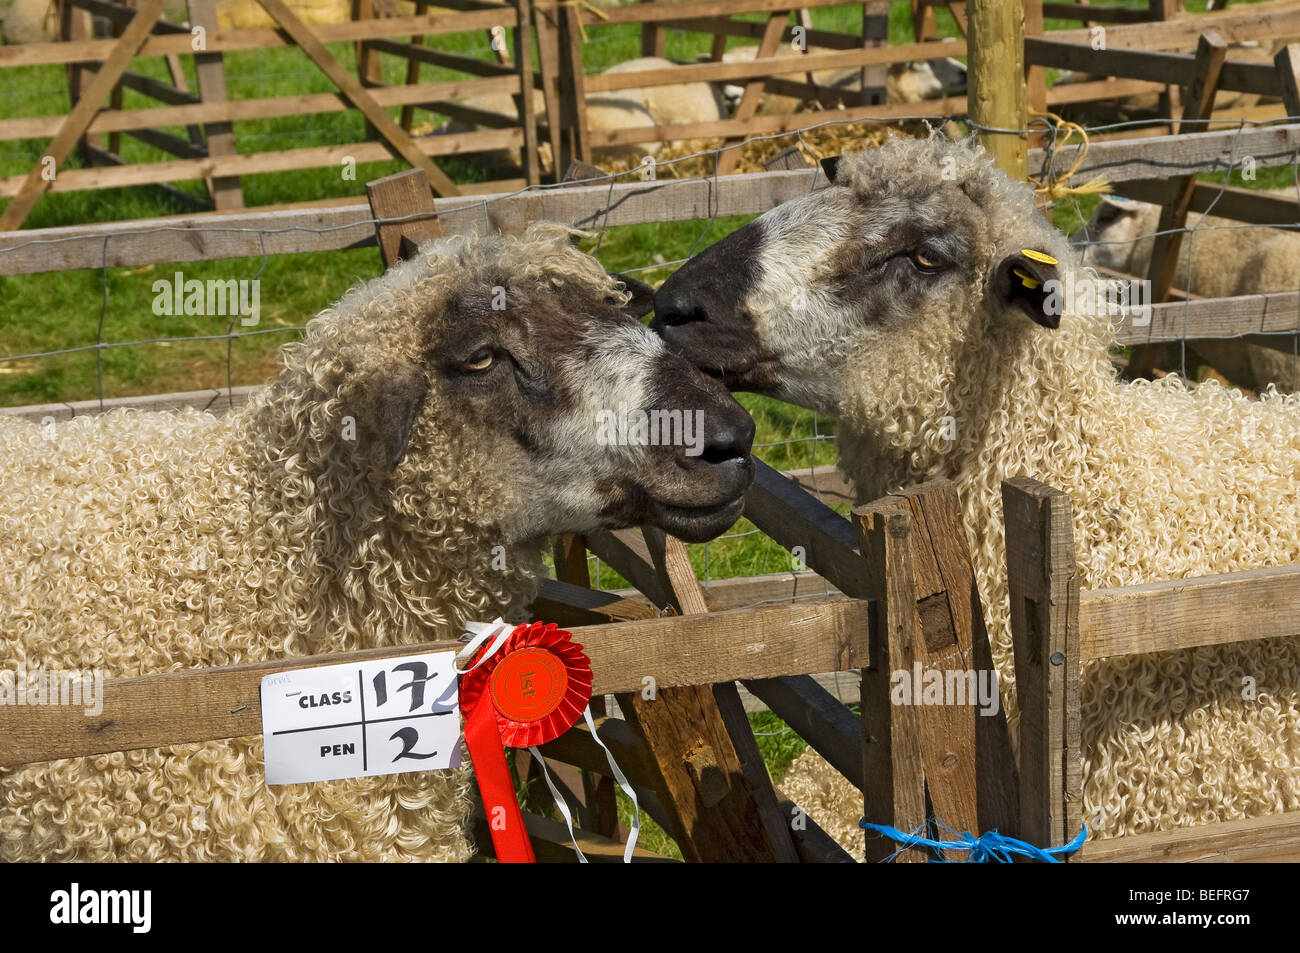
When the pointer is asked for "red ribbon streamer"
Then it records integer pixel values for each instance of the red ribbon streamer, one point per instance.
(488, 755)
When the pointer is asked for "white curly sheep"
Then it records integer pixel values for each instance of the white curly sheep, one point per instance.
(910, 301)
(399, 478)
(1225, 259)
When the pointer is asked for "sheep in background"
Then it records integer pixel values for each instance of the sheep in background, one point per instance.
(400, 478)
(33, 21)
(668, 105)
(903, 302)
(911, 82)
(1226, 260)
(606, 112)
(249, 15)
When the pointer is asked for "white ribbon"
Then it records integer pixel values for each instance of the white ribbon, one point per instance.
(480, 632)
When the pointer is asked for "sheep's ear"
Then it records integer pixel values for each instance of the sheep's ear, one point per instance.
(831, 165)
(643, 296)
(393, 398)
(1030, 281)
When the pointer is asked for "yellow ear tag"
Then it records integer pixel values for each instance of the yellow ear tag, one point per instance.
(1026, 279)
(1038, 256)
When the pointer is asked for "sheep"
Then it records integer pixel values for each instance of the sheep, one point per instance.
(32, 21)
(620, 109)
(910, 82)
(910, 300)
(249, 15)
(1226, 260)
(605, 113)
(399, 478)
(669, 105)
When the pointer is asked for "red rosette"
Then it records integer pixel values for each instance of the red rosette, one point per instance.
(538, 683)
(531, 690)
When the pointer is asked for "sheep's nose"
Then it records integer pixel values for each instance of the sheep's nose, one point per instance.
(729, 436)
(677, 305)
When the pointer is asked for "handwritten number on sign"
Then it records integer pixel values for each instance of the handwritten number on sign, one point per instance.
(410, 738)
(419, 677)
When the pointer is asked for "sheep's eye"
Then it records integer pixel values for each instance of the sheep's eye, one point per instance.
(481, 360)
(926, 260)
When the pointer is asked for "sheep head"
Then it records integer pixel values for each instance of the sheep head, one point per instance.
(494, 377)
(916, 247)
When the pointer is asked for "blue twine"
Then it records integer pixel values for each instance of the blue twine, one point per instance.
(990, 846)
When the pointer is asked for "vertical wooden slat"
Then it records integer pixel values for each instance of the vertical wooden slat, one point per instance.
(1035, 76)
(550, 65)
(573, 95)
(597, 789)
(1211, 51)
(527, 104)
(1287, 62)
(397, 196)
(969, 769)
(653, 37)
(995, 93)
(1043, 585)
(407, 118)
(73, 28)
(894, 780)
(210, 72)
(875, 33)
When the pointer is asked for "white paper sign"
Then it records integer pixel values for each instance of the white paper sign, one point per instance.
(361, 719)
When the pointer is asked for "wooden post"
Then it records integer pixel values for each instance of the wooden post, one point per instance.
(1035, 76)
(210, 71)
(1211, 51)
(965, 750)
(924, 25)
(73, 27)
(653, 38)
(995, 93)
(1043, 582)
(1287, 62)
(717, 792)
(407, 118)
(875, 33)
(597, 789)
(527, 103)
(550, 64)
(892, 770)
(397, 196)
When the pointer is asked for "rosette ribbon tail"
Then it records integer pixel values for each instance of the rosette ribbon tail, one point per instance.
(504, 819)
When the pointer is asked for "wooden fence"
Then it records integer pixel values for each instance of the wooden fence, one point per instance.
(99, 71)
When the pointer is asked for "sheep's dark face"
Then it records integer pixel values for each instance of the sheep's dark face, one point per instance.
(581, 413)
(892, 258)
